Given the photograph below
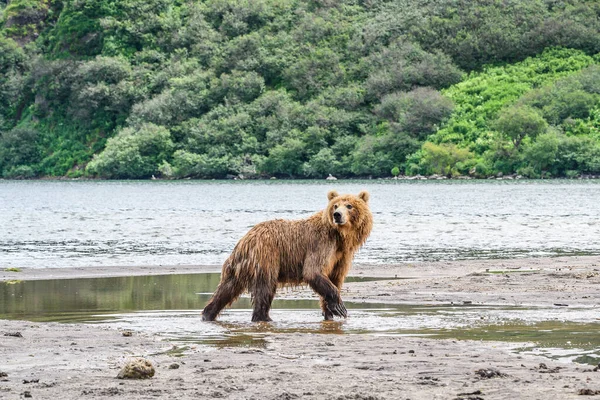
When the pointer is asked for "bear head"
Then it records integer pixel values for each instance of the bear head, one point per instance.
(349, 214)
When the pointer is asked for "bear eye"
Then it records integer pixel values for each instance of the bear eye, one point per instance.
(349, 206)
(335, 207)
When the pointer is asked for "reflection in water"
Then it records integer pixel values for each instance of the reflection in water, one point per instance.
(69, 299)
(79, 223)
(74, 299)
(170, 306)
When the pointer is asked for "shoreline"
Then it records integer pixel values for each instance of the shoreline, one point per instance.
(528, 281)
(63, 360)
(27, 274)
(540, 281)
(416, 269)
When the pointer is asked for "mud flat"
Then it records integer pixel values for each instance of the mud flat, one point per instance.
(67, 361)
(565, 281)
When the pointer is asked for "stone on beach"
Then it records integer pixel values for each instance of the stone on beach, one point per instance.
(137, 368)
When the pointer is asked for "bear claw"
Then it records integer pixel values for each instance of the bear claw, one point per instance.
(206, 317)
(261, 319)
(338, 309)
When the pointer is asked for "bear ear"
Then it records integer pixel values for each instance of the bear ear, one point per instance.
(364, 196)
(332, 195)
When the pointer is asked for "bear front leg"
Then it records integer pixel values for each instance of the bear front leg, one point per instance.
(331, 300)
(337, 278)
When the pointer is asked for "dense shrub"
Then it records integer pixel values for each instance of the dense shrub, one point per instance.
(554, 154)
(195, 165)
(563, 99)
(418, 112)
(285, 159)
(133, 153)
(19, 147)
(12, 65)
(322, 164)
(479, 98)
(19, 172)
(444, 159)
(319, 69)
(402, 66)
(500, 112)
(475, 33)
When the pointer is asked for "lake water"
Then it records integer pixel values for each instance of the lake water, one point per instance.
(92, 223)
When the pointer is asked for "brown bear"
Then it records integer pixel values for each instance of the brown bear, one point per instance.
(317, 250)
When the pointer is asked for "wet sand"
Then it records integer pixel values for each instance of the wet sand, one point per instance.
(82, 361)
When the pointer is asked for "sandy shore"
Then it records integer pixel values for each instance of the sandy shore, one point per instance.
(81, 361)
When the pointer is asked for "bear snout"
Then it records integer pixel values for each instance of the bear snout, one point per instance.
(338, 218)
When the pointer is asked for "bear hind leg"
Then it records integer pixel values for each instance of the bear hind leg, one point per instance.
(229, 289)
(263, 293)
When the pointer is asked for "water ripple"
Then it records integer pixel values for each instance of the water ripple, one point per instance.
(65, 224)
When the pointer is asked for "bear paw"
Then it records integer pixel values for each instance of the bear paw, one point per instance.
(337, 309)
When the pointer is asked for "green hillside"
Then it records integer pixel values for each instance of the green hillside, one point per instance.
(539, 117)
(207, 89)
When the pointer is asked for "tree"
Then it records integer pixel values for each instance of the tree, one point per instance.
(418, 112)
(321, 164)
(541, 154)
(443, 159)
(285, 159)
(519, 122)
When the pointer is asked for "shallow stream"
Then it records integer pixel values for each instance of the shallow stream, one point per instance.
(170, 306)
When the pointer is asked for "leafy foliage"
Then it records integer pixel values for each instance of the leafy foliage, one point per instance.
(19, 148)
(445, 159)
(134, 153)
(517, 123)
(537, 117)
(417, 113)
(132, 88)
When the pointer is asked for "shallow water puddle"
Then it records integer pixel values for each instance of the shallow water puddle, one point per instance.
(170, 306)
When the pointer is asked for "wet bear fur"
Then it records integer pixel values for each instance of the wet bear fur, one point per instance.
(317, 251)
